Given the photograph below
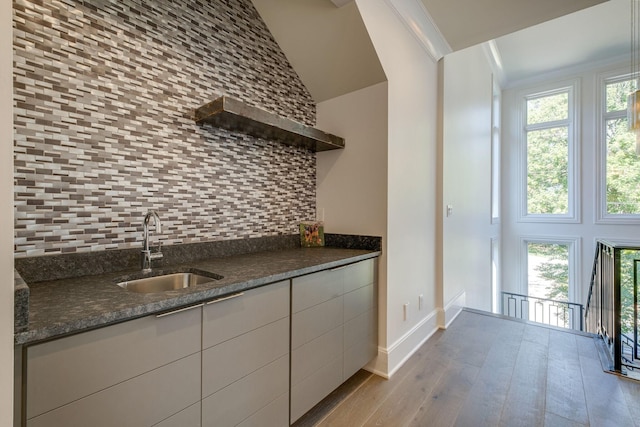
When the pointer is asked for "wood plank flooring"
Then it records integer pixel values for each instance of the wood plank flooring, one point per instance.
(485, 370)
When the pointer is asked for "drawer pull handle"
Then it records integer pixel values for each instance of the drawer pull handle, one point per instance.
(178, 311)
(239, 294)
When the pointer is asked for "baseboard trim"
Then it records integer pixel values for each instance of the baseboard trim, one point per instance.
(449, 313)
(379, 364)
(391, 359)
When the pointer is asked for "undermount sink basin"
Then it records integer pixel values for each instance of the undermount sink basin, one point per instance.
(166, 282)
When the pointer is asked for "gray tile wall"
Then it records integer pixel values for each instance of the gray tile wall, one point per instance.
(104, 92)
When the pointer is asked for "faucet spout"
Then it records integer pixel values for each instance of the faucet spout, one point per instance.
(147, 255)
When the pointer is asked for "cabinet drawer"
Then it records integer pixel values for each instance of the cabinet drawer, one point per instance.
(231, 360)
(239, 401)
(306, 394)
(141, 401)
(316, 288)
(92, 361)
(232, 317)
(316, 354)
(358, 301)
(309, 324)
(359, 274)
(275, 414)
(360, 342)
(189, 417)
(361, 326)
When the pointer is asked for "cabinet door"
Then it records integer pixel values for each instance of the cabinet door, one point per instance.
(245, 358)
(141, 401)
(68, 369)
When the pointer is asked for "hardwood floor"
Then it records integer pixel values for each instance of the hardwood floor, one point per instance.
(485, 370)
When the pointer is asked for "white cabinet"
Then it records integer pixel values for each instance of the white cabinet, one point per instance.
(134, 373)
(333, 331)
(245, 359)
(224, 364)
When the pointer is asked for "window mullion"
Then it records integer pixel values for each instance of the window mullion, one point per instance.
(548, 125)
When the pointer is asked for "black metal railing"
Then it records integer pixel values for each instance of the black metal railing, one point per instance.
(607, 312)
(635, 344)
(543, 310)
(630, 348)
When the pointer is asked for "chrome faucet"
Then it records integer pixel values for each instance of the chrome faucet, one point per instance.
(147, 255)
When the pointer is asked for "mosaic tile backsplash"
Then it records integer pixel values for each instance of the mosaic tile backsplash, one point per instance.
(104, 93)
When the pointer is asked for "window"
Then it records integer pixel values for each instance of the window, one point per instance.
(618, 194)
(548, 270)
(549, 157)
(550, 274)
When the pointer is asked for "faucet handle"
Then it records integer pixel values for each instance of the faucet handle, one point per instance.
(155, 255)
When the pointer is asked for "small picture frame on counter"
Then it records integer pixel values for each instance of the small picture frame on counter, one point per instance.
(311, 234)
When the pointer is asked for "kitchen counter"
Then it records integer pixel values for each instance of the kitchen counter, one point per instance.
(70, 305)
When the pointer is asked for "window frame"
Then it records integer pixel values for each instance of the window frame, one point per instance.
(496, 152)
(574, 244)
(572, 87)
(496, 275)
(600, 199)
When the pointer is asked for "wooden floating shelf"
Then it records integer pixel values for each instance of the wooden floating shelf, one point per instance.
(234, 115)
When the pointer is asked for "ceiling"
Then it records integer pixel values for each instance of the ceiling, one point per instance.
(327, 43)
(599, 33)
(465, 23)
(328, 46)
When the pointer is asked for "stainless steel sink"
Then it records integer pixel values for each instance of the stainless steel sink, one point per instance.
(166, 282)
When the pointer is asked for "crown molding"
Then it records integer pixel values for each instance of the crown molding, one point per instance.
(416, 18)
(492, 54)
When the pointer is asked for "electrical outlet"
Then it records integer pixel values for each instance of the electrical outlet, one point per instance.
(420, 301)
(405, 310)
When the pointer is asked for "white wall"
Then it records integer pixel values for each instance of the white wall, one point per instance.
(352, 183)
(466, 129)
(6, 217)
(411, 183)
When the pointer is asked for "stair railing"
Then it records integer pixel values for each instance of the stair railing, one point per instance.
(543, 310)
(603, 312)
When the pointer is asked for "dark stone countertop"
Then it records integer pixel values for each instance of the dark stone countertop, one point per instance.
(20, 303)
(70, 305)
